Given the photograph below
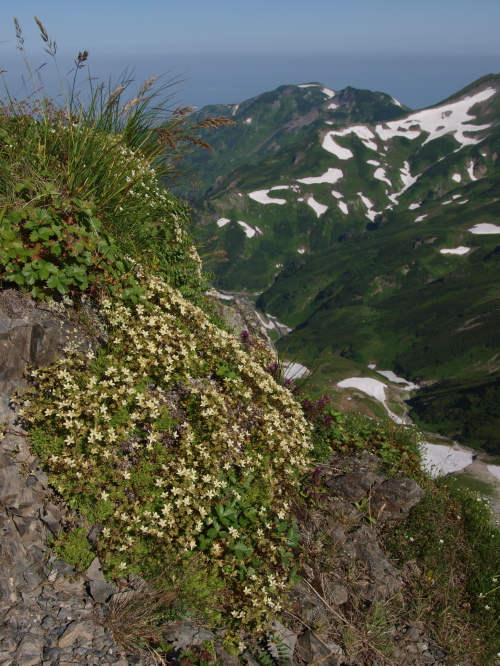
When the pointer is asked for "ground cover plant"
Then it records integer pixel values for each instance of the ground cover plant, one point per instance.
(448, 548)
(198, 453)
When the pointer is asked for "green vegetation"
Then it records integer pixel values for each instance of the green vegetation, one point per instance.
(368, 290)
(455, 584)
(448, 549)
(174, 439)
(188, 457)
(467, 408)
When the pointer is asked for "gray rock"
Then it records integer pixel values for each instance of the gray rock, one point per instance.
(337, 592)
(394, 498)
(76, 631)
(94, 572)
(101, 591)
(310, 649)
(29, 652)
(186, 634)
(51, 518)
(281, 643)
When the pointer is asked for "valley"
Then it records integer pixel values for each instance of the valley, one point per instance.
(373, 232)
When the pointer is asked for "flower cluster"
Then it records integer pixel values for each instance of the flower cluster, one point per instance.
(176, 442)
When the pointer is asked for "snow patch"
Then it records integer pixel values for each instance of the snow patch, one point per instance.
(250, 231)
(248, 121)
(370, 214)
(294, 370)
(398, 380)
(462, 202)
(261, 197)
(365, 134)
(456, 250)
(470, 171)
(337, 195)
(218, 294)
(395, 101)
(271, 323)
(332, 147)
(301, 250)
(444, 203)
(235, 108)
(407, 180)
(343, 207)
(374, 162)
(449, 118)
(331, 176)
(326, 91)
(381, 175)
(333, 106)
(439, 460)
(456, 196)
(371, 387)
(414, 206)
(421, 217)
(485, 228)
(494, 469)
(222, 221)
(318, 208)
(456, 177)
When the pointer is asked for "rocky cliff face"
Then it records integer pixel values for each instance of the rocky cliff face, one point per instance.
(52, 615)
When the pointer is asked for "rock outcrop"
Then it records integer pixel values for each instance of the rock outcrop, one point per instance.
(51, 614)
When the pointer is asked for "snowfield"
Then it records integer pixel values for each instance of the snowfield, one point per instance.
(318, 208)
(334, 148)
(294, 370)
(381, 175)
(364, 133)
(439, 460)
(407, 179)
(449, 118)
(326, 91)
(261, 197)
(485, 228)
(370, 213)
(371, 387)
(456, 250)
(250, 231)
(494, 469)
(397, 380)
(366, 384)
(331, 176)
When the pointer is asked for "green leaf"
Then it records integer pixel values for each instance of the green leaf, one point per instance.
(58, 282)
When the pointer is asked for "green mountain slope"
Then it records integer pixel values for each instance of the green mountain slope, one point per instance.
(274, 120)
(377, 241)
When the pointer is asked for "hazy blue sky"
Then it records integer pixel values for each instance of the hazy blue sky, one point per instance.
(419, 52)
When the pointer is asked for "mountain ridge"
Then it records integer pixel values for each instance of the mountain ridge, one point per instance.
(355, 225)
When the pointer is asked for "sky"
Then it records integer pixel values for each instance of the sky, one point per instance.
(223, 52)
